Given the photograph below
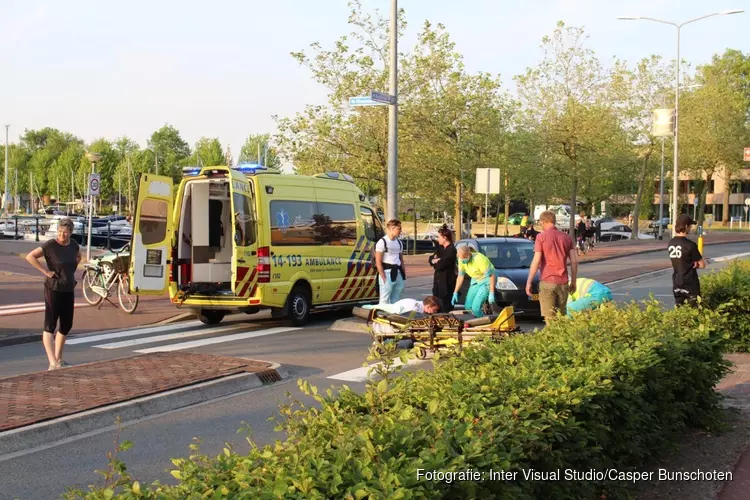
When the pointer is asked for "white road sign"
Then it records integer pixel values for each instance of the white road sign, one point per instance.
(94, 184)
(488, 181)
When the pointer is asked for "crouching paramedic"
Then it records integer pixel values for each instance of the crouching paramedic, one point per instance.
(482, 273)
(588, 294)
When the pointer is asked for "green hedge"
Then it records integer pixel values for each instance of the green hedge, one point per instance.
(730, 289)
(609, 389)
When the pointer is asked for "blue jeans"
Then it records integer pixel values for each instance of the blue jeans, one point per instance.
(390, 291)
(477, 295)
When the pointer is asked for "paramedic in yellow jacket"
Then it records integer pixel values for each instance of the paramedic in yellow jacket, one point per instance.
(588, 295)
(482, 273)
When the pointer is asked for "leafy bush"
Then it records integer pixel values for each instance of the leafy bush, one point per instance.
(730, 288)
(609, 388)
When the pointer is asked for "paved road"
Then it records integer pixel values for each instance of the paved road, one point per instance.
(321, 356)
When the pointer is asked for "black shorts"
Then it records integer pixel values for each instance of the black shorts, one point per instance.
(58, 306)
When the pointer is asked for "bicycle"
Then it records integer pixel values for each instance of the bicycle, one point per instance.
(582, 245)
(101, 274)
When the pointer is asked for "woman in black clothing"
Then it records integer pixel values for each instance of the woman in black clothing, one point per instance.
(444, 263)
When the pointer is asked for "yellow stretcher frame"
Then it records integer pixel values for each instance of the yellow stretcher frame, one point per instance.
(441, 331)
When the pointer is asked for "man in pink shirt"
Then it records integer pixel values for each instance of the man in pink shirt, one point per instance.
(552, 250)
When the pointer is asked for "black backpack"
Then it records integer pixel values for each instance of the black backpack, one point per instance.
(373, 262)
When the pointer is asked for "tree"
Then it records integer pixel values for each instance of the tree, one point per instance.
(170, 149)
(208, 153)
(638, 92)
(335, 137)
(732, 69)
(269, 156)
(565, 101)
(713, 132)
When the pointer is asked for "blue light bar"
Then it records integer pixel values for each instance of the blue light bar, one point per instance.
(249, 168)
(190, 171)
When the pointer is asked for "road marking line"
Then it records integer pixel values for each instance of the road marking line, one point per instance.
(217, 340)
(32, 309)
(360, 374)
(132, 333)
(728, 257)
(170, 336)
(14, 306)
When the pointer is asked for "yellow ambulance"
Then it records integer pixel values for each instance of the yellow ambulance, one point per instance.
(245, 238)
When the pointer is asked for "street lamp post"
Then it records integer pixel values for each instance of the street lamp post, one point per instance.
(5, 191)
(392, 188)
(675, 173)
(93, 158)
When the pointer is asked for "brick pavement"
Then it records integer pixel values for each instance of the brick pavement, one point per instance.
(36, 397)
(736, 386)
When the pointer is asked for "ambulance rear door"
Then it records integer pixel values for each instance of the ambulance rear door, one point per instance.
(244, 236)
(152, 236)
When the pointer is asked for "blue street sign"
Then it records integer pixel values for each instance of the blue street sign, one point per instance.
(383, 97)
(363, 101)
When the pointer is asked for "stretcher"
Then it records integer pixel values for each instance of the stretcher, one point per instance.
(434, 332)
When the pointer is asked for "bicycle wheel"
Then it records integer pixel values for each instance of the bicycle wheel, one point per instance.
(91, 278)
(128, 301)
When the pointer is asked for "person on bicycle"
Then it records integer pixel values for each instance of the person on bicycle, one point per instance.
(62, 256)
(581, 231)
(588, 295)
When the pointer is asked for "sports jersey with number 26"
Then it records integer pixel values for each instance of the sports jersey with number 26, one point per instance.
(683, 253)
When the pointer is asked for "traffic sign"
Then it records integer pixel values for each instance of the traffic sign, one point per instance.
(695, 201)
(747, 201)
(363, 101)
(747, 154)
(487, 181)
(383, 97)
(94, 184)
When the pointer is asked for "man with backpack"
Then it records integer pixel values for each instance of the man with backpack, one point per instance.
(390, 264)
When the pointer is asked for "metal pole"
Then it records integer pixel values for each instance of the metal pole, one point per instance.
(487, 203)
(392, 188)
(661, 193)
(675, 173)
(91, 208)
(5, 191)
(156, 156)
(72, 187)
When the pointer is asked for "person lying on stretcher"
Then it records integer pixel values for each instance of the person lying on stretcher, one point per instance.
(430, 305)
(588, 295)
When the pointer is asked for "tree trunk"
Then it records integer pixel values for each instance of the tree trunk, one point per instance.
(457, 217)
(639, 195)
(497, 219)
(573, 194)
(725, 201)
(702, 200)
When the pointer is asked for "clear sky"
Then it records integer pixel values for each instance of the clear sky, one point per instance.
(222, 68)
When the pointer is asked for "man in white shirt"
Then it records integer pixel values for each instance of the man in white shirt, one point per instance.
(390, 264)
(430, 305)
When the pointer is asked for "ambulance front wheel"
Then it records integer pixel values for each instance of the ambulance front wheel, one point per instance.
(209, 317)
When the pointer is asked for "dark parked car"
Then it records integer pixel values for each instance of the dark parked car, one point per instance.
(512, 259)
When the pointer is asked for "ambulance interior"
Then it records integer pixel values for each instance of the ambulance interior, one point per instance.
(204, 249)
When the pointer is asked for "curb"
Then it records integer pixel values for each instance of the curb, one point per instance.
(350, 325)
(667, 270)
(357, 325)
(25, 439)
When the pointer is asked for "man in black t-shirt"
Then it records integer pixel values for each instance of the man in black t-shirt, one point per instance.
(686, 260)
